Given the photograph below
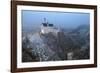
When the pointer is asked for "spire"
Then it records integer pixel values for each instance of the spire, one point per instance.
(45, 20)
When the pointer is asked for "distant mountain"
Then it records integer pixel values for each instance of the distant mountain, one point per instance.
(81, 29)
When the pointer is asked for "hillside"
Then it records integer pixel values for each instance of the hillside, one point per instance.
(73, 45)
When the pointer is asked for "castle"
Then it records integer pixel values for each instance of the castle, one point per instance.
(47, 28)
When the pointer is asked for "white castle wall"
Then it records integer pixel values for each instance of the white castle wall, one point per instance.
(45, 30)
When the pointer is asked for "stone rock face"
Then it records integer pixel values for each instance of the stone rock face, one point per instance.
(40, 49)
(73, 45)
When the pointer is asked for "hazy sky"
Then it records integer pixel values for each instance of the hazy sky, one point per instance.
(33, 19)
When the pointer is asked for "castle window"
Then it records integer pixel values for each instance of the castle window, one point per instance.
(51, 25)
(44, 24)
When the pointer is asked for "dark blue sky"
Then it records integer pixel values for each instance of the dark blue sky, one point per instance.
(33, 19)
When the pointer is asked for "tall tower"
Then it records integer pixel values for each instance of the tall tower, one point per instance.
(45, 20)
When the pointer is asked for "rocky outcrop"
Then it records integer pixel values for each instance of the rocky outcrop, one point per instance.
(48, 47)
